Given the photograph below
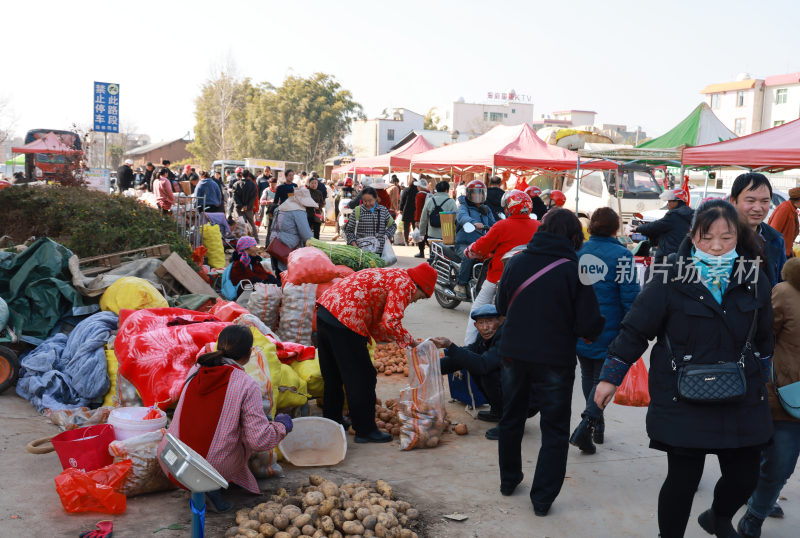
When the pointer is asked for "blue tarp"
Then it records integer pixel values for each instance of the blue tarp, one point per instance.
(69, 371)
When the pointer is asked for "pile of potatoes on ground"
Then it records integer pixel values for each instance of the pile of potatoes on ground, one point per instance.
(390, 359)
(385, 418)
(323, 509)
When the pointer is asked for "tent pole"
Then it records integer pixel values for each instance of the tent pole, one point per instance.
(619, 198)
(577, 183)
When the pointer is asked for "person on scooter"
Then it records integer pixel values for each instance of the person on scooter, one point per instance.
(516, 229)
(473, 220)
(670, 230)
(538, 208)
(556, 198)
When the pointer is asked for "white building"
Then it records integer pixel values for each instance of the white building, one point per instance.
(508, 108)
(739, 104)
(576, 117)
(781, 100)
(377, 136)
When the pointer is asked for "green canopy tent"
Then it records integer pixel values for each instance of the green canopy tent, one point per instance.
(19, 160)
(699, 128)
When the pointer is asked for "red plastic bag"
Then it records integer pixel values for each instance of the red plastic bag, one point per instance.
(156, 357)
(228, 310)
(342, 271)
(84, 448)
(93, 491)
(322, 288)
(309, 265)
(633, 389)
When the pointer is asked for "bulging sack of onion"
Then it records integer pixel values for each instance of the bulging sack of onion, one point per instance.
(265, 465)
(146, 475)
(421, 408)
(297, 313)
(265, 303)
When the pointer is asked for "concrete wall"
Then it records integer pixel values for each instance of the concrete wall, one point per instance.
(785, 112)
(728, 111)
(478, 118)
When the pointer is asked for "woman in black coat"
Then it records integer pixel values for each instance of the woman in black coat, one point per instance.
(545, 316)
(408, 207)
(701, 303)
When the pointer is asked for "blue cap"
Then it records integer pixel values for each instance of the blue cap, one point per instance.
(484, 311)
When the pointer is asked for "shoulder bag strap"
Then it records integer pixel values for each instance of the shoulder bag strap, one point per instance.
(535, 276)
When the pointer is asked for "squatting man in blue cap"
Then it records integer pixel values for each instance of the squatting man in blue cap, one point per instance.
(481, 359)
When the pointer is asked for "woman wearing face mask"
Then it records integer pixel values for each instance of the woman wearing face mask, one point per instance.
(370, 225)
(702, 309)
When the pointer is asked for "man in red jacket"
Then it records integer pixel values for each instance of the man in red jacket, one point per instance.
(784, 219)
(516, 229)
(367, 304)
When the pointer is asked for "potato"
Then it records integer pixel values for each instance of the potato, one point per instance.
(381, 531)
(407, 533)
(338, 517)
(402, 506)
(291, 511)
(320, 534)
(242, 515)
(403, 519)
(326, 506)
(294, 532)
(312, 511)
(329, 489)
(361, 494)
(249, 533)
(383, 487)
(281, 522)
(368, 533)
(313, 499)
(460, 429)
(266, 515)
(252, 514)
(301, 521)
(362, 512)
(335, 534)
(282, 535)
(412, 513)
(353, 527)
(432, 442)
(349, 514)
(326, 524)
(293, 501)
(308, 529)
(315, 479)
(250, 524)
(268, 530)
(233, 531)
(369, 522)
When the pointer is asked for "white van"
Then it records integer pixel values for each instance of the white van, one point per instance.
(638, 187)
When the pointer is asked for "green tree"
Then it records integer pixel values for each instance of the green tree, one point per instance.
(220, 115)
(303, 120)
(432, 121)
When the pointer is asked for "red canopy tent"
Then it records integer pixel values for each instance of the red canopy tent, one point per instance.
(774, 149)
(400, 157)
(513, 147)
(49, 143)
(353, 168)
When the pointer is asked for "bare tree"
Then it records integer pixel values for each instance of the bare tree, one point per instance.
(7, 119)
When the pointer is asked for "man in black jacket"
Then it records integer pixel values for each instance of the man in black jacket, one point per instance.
(547, 308)
(125, 176)
(494, 196)
(670, 230)
(245, 194)
(408, 205)
(480, 358)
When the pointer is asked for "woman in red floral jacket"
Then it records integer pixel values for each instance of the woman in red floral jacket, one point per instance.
(367, 304)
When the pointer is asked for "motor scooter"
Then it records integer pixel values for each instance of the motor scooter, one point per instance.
(447, 263)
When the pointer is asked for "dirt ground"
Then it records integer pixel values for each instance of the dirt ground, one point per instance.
(612, 493)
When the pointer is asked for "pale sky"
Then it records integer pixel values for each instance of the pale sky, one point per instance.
(634, 62)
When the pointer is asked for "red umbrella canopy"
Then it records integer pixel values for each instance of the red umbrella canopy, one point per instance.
(49, 143)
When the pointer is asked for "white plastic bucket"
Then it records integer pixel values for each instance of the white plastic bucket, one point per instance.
(314, 441)
(128, 422)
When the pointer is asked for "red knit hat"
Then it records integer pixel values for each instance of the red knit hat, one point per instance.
(423, 276)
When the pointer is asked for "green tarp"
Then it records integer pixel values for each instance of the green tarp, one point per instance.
(36, 286)
(19, 160)
(699, 128)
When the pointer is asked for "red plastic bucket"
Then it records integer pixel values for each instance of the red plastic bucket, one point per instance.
(85, 448)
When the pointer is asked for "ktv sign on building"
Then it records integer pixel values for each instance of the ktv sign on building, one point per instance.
(511, 96)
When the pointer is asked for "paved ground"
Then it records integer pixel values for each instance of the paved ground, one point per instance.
(612, 493)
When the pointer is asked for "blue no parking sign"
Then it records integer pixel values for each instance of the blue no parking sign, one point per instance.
(106, 107)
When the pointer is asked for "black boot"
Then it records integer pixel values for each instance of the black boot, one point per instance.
(599, 431)
(750, 525)
(582, 436)
(719, 527)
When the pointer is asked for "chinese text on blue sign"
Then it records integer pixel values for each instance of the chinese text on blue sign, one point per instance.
(106, 107)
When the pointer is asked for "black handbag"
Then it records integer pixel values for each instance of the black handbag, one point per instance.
(716, 383)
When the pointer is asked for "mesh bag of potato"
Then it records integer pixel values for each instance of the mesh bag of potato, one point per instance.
(422, 403)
